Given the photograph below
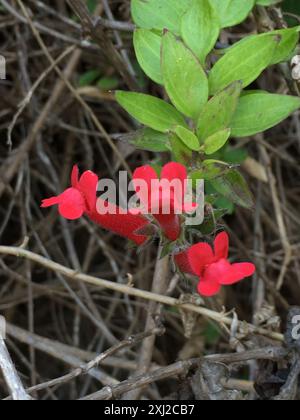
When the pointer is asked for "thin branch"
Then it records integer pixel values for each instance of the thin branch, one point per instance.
(180, 368)
(108, 24)
(98, 34)
(49, 31)
(85, 369)
(11, 377)
(122, 288)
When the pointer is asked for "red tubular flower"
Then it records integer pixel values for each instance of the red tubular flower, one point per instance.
(212, 266)
(183, 263)
(161, 196)
(81, 199)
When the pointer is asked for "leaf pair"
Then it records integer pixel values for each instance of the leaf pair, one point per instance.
(199, 27)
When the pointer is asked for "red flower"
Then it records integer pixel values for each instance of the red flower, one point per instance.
(164, 198)
(212, 266)
(81, 199)
(183, 263)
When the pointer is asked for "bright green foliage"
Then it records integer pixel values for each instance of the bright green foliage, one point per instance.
(245, 61)
(288, 42)
(148, 139)
(184, 78)
(150, 111)
(188, 138)
(204, 89)
(159, 14)
(288, 39)
(259, 111)
(147, 45)
(232, 12)
(267, 2)
(200, 28)
(218, 112)
(216, 141)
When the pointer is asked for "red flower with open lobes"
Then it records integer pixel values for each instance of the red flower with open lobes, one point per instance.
(81, 199)
(212, 266)
(164, 198)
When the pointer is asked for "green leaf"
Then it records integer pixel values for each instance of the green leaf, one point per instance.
(188, 138)
(92, 5)
(89, 77)
(209, 170)
(235, 156)
(108, 83)
(217, 200)
(245, 61)
(148, 139)
(147, 45)
(218, 112)
(159, 14)
(288, 41)
(181, 153)
(259, 111)
(184, 78)
(150, 111)
(233, 186)
(212, 334)
(216, 141)
(232, 12)
(267, 2)
(200, 28)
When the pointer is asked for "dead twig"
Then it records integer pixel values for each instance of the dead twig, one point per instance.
(180, 368)
(96, 31)
(165, 300)
(11, 377)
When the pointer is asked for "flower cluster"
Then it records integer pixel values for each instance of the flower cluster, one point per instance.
(210, 265)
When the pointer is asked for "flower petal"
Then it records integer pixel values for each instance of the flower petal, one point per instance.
(72, 205)
(146, 174)
(88, 187)
(176, 171)
(221, 246)
(49, 202)
(173, 171)
(208, 287)
(69, 211)
(170, 225)
(237, 273)
(75, 176)
(113, 219)
(200, 255)
(183, 263)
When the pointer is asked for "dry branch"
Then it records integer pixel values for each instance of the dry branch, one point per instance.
(154, 297)
(11, 377)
